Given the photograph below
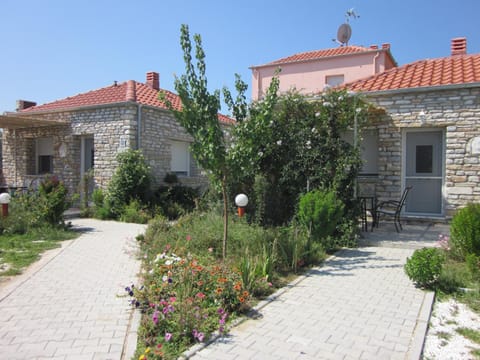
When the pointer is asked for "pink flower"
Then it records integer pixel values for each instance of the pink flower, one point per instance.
(198, 335)
(155, 315)
(173, 299)
(200, 295)
(189, 237)
(168, 336)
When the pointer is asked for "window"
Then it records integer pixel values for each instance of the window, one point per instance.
(368, 149)
(44, 151)
(180, 162)
(334, 80)
(424, 159)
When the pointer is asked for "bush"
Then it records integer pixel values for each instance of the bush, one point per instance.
(465, 231)
(425, 266)
(134, 213)
(23, 214)
(52, 200)
(130, 181)
(320, 212)
(176, 200)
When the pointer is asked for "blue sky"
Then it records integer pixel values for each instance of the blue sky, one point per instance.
(51, 49)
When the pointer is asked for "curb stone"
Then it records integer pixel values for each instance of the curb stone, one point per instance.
(215, 336)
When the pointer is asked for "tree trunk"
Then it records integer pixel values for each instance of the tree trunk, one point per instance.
(225, 217)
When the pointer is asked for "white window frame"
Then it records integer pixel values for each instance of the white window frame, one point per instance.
(180, 158)
(43, 147)
(368, 150)
(334, 80)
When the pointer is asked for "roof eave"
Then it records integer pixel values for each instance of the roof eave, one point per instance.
(278, 64)
(76, 108)
(20, 122)
(421, 89)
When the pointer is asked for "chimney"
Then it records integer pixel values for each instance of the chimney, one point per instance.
(459, 46)
(153, 80)
(24, 104)
(386, 46)
(131, 94)
(374, 47)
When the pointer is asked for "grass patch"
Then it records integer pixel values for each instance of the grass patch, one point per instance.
(470, 334)
(443, 335)
(19, 251)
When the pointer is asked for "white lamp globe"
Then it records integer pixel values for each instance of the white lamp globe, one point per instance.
(4, 198)
(241, 200)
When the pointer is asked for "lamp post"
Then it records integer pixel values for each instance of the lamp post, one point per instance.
(241, 200)
(4, 200)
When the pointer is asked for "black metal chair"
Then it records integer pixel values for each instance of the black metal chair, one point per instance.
(392, 208)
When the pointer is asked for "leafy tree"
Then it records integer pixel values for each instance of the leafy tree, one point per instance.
(300, 146)
(199, 117)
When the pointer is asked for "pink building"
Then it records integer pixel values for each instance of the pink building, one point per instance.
(309, 72)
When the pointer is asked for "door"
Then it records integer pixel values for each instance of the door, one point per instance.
(424, 172)
(86, 161)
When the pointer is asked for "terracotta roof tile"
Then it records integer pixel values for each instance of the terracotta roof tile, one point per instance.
(144, 95)
(319, 54)
(458, 69)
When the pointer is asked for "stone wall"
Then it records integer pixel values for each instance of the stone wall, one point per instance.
(113, 128)
(457, 113)
(158, 129)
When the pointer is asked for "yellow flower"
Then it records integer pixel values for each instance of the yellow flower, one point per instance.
(147, 350)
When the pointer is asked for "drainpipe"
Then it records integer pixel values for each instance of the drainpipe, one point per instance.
(139, 126)
(15, 154)
(375, 62)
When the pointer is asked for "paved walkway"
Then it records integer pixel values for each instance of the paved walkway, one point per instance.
(359, 305)
(67, 305)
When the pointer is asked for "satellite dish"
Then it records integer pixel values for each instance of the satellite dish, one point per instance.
(344, 33)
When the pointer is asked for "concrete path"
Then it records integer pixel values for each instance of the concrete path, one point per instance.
(67, 305)
(359, 305)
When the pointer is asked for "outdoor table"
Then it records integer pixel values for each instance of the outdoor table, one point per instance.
(367, 203)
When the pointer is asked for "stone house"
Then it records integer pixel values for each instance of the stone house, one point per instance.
(429, 136)
(69, 137)
(309, 72)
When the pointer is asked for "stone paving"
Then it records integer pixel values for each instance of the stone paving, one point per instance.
(359, 305)
(68, 306)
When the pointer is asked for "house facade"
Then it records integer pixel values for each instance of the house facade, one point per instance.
(429, 136)
(309, 72)
(70, 137)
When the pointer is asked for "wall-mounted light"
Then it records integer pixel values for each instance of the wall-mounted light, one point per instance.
(422, 116)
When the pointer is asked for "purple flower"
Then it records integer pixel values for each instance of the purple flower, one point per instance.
(198, 335)
(168, 336)
(155, 317)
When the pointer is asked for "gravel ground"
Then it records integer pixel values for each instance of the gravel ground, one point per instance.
(442, 341)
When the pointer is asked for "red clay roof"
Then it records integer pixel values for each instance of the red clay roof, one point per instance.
(325, 53)
(458, 69)
(119, 93)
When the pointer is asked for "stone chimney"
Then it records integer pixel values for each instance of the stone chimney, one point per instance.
(24, 104)
(459, 46)
(153, 80)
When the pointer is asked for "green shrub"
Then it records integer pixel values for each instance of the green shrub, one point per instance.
(175, 201)
(465, 231)
(134, 213)
(320, 212)
(452, 277)
(53, 200)
(23, 214)
(473, 265)
(425, 266)
(130, 181)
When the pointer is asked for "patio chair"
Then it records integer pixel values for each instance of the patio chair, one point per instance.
(392, 208)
